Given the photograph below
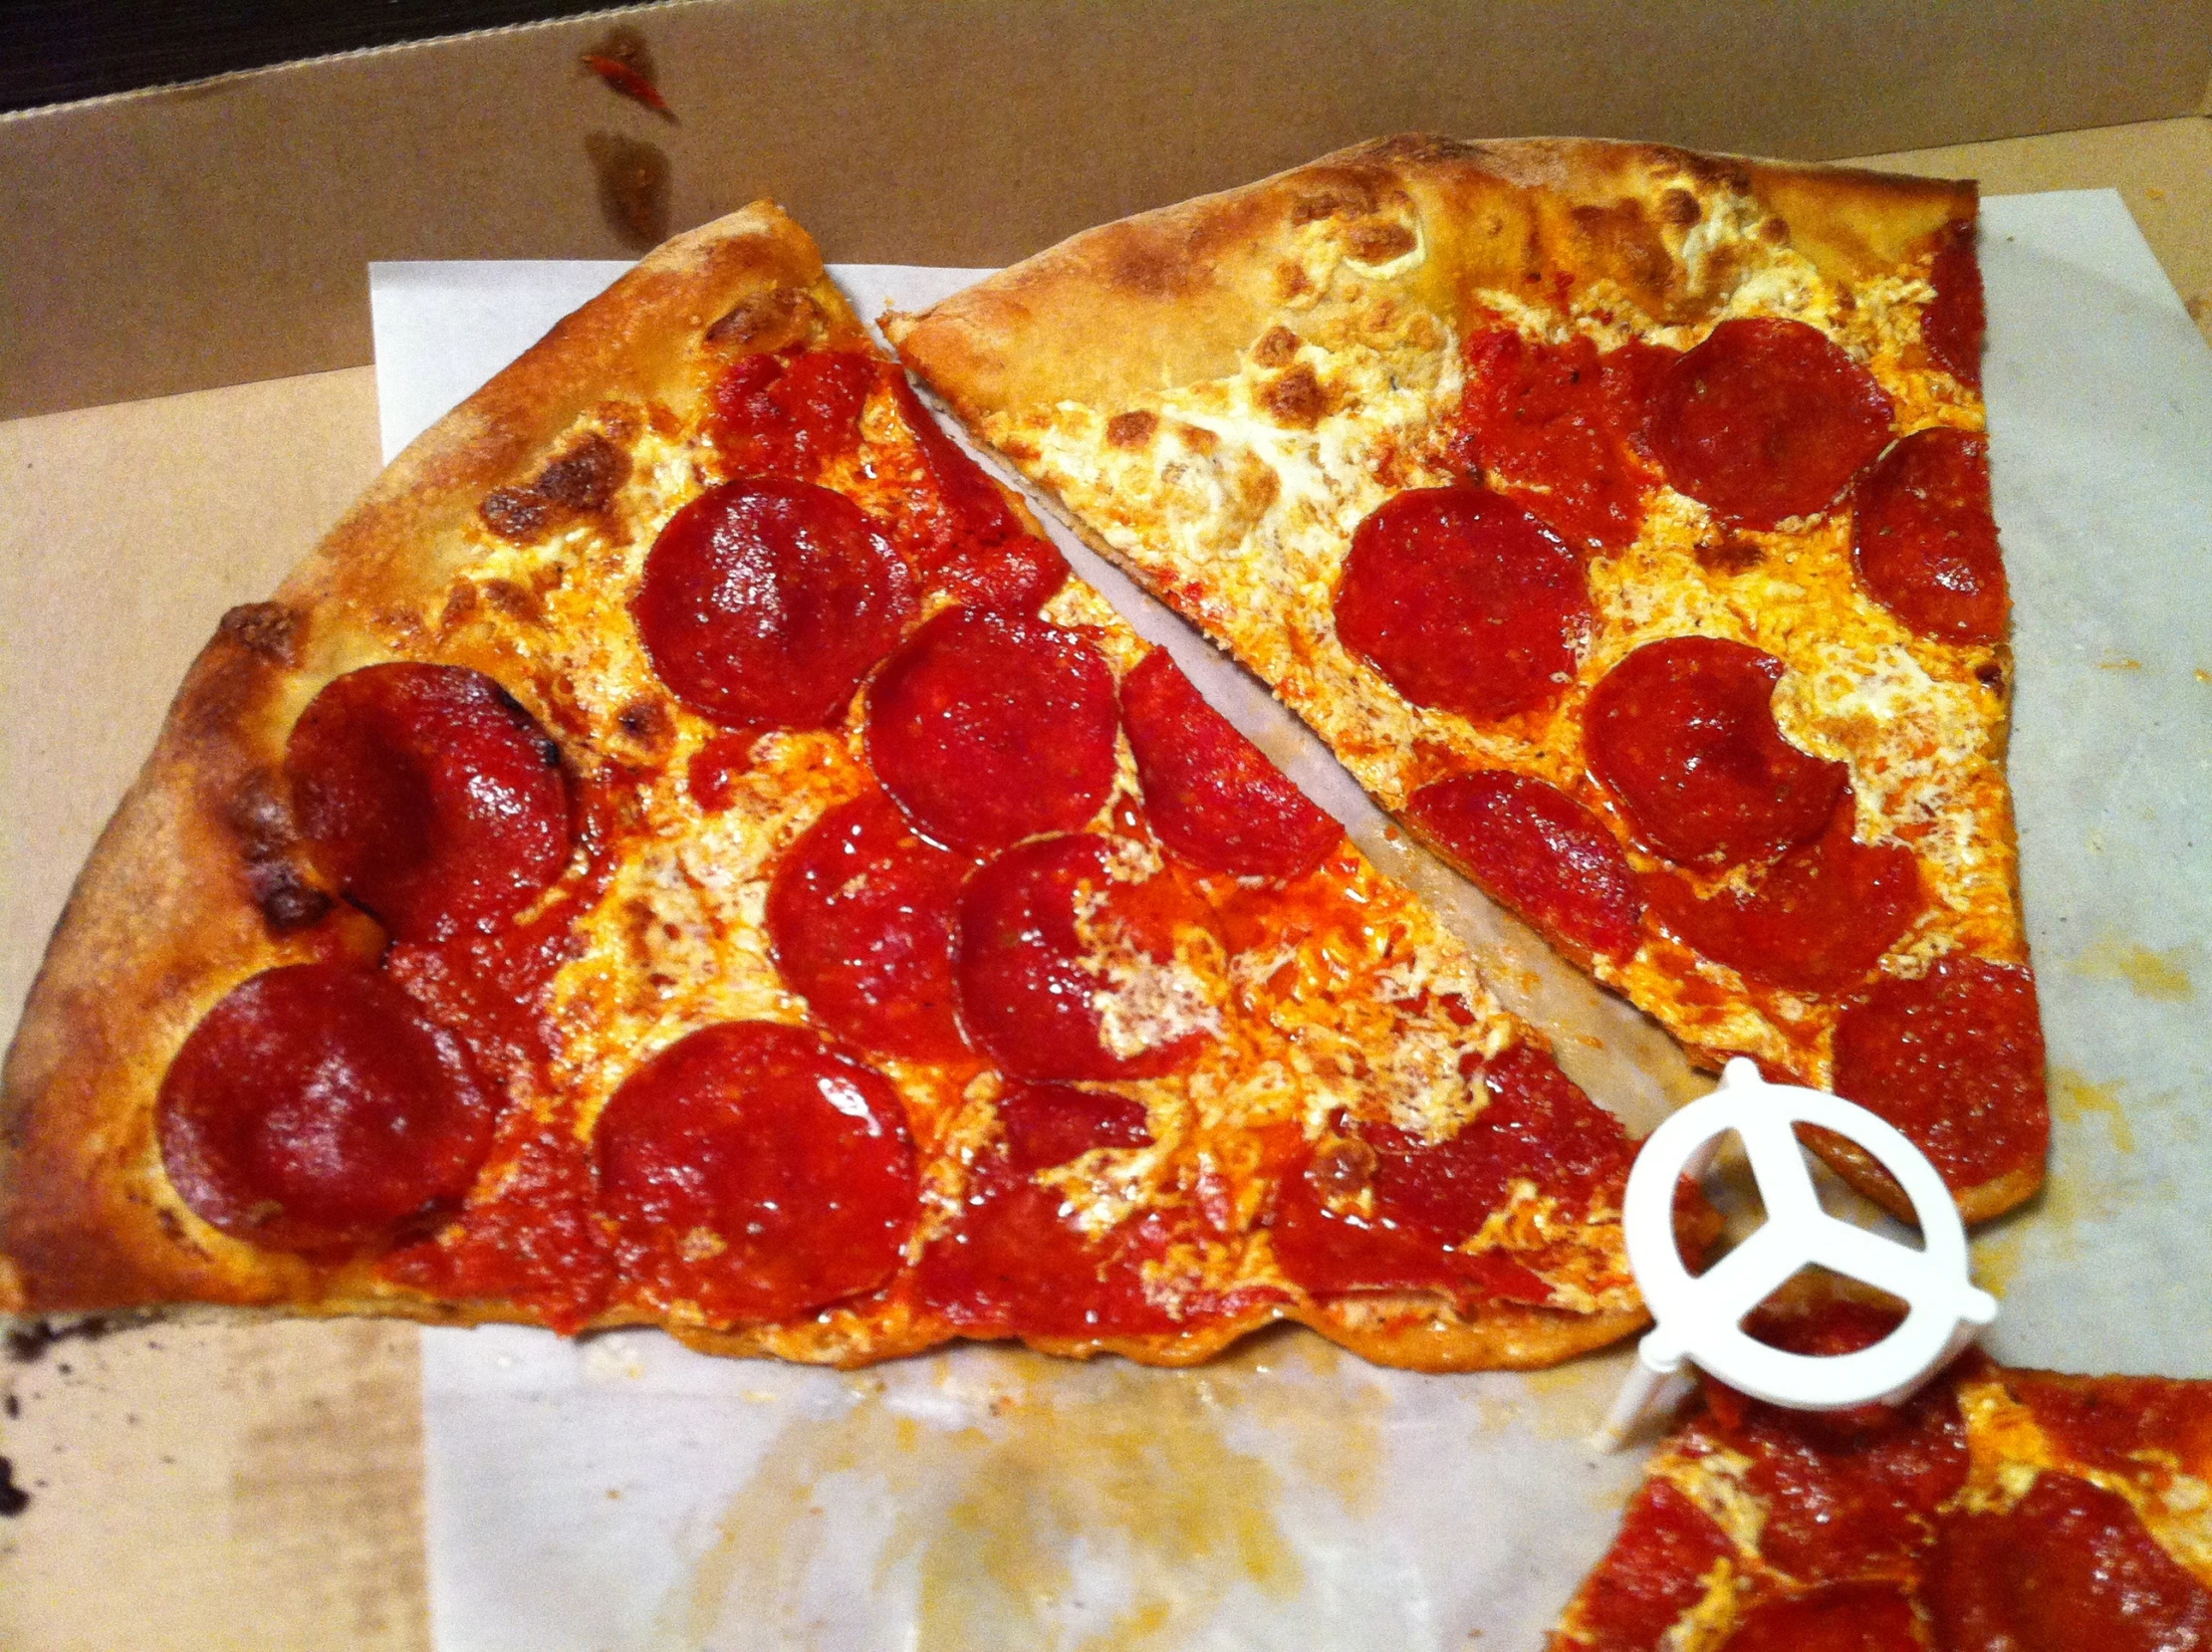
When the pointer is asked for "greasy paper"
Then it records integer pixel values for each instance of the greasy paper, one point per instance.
(623, 1493)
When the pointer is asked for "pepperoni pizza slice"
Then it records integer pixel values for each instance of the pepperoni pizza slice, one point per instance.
(1996, 1510)
(1621, 516)
(684, 851)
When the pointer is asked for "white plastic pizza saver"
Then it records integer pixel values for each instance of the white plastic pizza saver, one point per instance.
(1699, 1318)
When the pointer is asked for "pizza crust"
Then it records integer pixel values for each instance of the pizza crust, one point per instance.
(1175, 296)
(189, 888)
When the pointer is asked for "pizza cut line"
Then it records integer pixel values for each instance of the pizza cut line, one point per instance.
(1619, 516)
(685, 852)
(1996, 1510)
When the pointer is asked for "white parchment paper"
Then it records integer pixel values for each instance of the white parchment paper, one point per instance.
(624, 1493)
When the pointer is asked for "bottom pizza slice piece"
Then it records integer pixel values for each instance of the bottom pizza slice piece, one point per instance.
(685, 852)
(1996, 1510)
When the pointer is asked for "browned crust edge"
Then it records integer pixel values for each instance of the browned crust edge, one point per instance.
(1408, 1331)
(1156, 299)
(162, 921)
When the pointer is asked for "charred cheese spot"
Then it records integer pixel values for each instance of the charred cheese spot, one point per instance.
(1132, 429)
(516, 601)
(583, 479)
(646, 724)
(460, 608)
(1380, 243)
(773, 320)
(281, 888)
(1199, 439)
(1725, 552)
(1278, 347)
(1296, 398)
(269, 630)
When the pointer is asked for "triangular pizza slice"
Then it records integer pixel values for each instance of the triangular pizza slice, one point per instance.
(1995, 1511)
(685, 852)
(1621, 517)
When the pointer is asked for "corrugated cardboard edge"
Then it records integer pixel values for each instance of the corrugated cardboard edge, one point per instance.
(215, 233)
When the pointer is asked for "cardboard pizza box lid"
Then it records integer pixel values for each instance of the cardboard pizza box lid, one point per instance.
(257, 1485)
(212, 233)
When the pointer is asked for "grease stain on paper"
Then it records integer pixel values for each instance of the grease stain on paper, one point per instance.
(1097, 1509)
(1996, 1257)
(2079, 1195)
(2075, 1098)
(2156, 975)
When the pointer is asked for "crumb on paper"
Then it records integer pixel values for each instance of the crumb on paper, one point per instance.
(2075, 1097)
(608, 1360)
(2120, 662)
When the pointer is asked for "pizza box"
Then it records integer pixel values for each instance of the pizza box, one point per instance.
(186, 375)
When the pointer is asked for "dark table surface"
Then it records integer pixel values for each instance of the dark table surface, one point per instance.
(55, 51)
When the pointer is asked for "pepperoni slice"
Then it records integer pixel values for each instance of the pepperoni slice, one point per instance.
(1464, 601)
(967, 540)
(711, 776)
(861, 913)
(1049, 1124)
(1543, 425)
(1817, 921)
(1541, 852)
(1767, 419)
(2068, 1567)
(755, 1173)
(1955, 1060)
(1845, 1618)
(1923, 539)
(429, 797)
(1633, 375)
(532, 1237)
(790, 415)
(1653, 1573)
(2104, 1422)
(1847, 1493)
(315, 1110)
(1427, 1197)
(765, 602)
(1683, 733)
(989, 728)
(1954, 321)
(1066, 973)
(1015, 1265)
(1537, 1126)
(1208, 793)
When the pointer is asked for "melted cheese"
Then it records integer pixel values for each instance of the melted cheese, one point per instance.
(1238, 508)
(1342, 1013)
